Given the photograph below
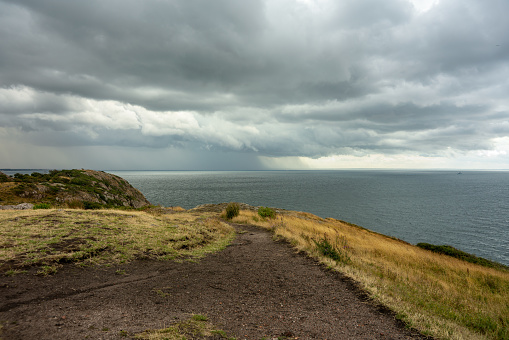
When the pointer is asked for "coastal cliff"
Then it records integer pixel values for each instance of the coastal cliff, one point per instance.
(71, 188)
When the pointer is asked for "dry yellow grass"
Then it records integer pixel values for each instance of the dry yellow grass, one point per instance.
(47, 238)
(439, 295)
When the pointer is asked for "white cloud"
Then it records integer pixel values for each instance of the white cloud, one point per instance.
(167, 123)
(424, 5)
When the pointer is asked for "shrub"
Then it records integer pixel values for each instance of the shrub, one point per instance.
(24, 189)
(459, 254)
(232, 210)
(25, 178)
(75, 204)
(80, 181)
(92, 205)
(265, 212)
(336, 251)
(42, 206)
(4, 177)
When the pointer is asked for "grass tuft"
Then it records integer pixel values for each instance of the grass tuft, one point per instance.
(232, 210)
(336, 250)
(195, 327)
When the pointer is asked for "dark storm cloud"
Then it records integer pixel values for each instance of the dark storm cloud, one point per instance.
(95, 49)
(270, 78)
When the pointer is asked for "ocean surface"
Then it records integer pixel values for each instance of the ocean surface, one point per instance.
(469, 211)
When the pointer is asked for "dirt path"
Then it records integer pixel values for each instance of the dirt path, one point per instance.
(255, 288)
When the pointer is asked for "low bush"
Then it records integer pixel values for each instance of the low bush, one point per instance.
(75, 204)
(459, 254)
(92, 205)
(42, 206)
(24, 189)
(336, 251)
(265, 212)
(232, 210)
(4, 178)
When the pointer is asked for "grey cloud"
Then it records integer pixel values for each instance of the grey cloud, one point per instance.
(273, 78)
(456, 36)
(364, 14)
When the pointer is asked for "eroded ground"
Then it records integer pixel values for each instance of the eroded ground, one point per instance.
(254, 289)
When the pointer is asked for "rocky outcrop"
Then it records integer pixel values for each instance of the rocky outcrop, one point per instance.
(108, 189)
(74, 188)
(21, 206)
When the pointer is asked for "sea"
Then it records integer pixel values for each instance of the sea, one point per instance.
(468, 210)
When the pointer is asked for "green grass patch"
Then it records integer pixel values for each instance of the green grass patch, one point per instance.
(13, 272)
(459, 254)
(195, 327)
(266, 212)
(42, 206)
(336, 250)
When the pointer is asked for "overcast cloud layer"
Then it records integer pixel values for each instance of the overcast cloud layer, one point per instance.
(199, 84)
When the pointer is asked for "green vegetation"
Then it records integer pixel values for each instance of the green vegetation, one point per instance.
(12, 272)
(48, 270)
(92, 205)
(4, 177)
(232, 210)
(266, 212)
(42, 206)
(46, 239)
(163, 292)
(199, 317)
(453, 252)
(334, 250)
(195, 327)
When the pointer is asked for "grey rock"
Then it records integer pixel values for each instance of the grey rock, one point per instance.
(22, 206)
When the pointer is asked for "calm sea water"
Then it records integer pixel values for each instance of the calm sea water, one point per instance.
(469, 211)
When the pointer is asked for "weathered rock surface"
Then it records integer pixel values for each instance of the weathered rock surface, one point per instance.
(74, 188)
(21, 206)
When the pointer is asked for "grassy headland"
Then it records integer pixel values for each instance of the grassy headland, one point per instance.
(85, 189)
(440, 295)
(46, 239)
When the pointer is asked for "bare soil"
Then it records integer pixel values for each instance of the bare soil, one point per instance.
(256, 288)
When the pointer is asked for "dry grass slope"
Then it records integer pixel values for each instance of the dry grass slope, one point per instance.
(439, 295)
(48, 238)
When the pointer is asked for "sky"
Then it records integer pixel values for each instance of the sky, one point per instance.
(254, 84)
